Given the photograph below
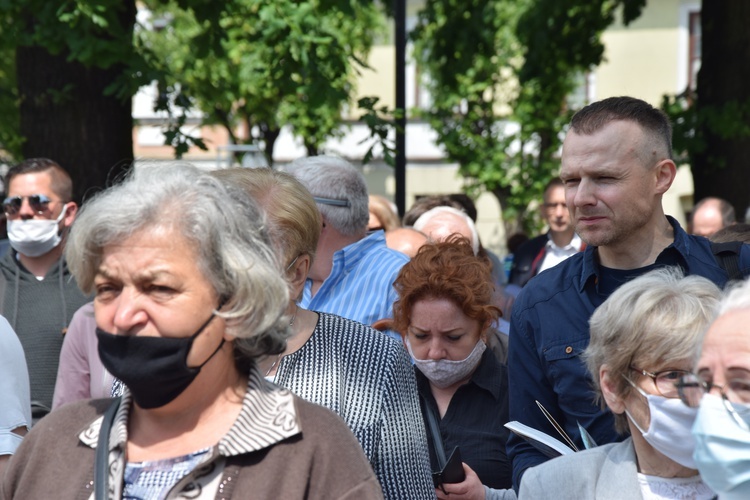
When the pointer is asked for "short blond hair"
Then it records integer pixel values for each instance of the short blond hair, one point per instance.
(293, 217)
(656, 318)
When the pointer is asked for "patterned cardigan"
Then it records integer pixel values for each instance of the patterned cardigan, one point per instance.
(367, 378)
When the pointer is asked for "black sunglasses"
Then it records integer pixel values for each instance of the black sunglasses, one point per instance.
(37, 202)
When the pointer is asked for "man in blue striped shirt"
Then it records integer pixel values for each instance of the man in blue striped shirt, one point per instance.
(353, 272)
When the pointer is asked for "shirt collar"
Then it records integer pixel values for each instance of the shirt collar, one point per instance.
(268, 416)
(681, 245)
(350, 255)
(575, 243)
(486, 374)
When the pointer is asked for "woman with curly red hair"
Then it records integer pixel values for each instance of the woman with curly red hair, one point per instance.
(444, 314)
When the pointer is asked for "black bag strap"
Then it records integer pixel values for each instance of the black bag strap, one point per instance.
(727, 255)
(101, 462)
(433, 425)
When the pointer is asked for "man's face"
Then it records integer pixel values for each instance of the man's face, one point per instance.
(707, 220)
(38, 183)
(555, 210)
(611, 195)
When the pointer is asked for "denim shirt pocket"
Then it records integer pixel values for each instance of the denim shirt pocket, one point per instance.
(569, 376)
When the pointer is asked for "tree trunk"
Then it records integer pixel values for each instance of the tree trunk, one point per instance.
(721, 169)
(66, 117)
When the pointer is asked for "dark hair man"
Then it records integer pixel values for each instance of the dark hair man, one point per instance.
(38, 296)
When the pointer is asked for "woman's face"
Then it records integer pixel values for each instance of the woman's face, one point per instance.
(668, 374)
(439, 329)
(725, 355)
(150, 285)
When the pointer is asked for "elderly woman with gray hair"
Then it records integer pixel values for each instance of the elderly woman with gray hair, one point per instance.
(643, 339)
(188, 299)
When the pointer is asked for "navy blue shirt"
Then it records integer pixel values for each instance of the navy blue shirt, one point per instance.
(549, 330)
(474, 421)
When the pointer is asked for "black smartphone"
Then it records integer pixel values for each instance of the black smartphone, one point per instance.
(453, 472)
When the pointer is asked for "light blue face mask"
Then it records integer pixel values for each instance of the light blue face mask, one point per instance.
(722, 448)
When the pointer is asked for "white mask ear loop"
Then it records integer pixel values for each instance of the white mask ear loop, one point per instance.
(642, 393)
(669, 428)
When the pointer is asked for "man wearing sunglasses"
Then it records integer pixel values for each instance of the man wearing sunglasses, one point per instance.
(38, 296)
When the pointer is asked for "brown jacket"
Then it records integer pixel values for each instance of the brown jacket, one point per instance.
(322, 459)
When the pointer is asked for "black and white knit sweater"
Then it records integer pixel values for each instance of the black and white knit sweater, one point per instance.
(366, 378)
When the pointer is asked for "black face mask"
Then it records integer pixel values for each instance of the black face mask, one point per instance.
(153, 368)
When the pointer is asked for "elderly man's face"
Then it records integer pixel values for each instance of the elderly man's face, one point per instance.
(707, 220)
(555, 210)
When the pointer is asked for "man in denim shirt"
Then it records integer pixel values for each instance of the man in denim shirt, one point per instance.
(616, 166)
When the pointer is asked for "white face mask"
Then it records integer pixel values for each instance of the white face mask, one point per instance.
(670, 428)
(35, 237)
(445, 372)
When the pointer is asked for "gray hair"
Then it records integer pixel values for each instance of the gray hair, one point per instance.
(736, 297)
(336, 179)
(426, 217)
(656, 318)
(224, 226)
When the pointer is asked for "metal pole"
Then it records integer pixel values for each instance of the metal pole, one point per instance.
(400, 167)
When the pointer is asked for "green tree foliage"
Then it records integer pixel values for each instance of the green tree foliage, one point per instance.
(10, 137)
(468, 61)
(499, 74)
(286, 62)
(69, 70)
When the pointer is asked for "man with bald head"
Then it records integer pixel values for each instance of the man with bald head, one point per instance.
(440, 222)
(616, 165)
(710, 215)
(406, 240)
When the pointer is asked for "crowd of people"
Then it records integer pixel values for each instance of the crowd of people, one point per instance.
(281, 333)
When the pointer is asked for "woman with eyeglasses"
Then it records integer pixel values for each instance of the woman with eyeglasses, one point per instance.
(644, 337)
(720, 388)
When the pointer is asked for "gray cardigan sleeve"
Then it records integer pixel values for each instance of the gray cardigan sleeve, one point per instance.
(492, 494)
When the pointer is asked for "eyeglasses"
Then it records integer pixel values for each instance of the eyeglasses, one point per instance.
(692, 388)
(38, 203)
(553, 206)
(291, 264)
(665, 381)
(332, 201)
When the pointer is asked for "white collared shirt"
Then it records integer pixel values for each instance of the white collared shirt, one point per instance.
(555, 254)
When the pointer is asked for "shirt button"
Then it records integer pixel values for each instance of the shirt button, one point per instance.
(568, 350)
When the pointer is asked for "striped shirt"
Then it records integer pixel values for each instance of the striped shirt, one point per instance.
(360, 286)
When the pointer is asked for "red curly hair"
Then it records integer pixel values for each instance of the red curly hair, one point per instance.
(446, 270)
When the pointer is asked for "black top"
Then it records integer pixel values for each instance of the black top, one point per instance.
(474, 421)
